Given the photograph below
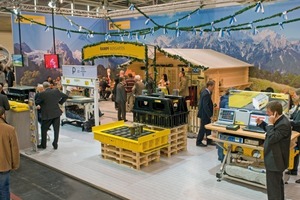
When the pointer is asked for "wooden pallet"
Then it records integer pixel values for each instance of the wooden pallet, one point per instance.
(127, 157)
(177, 140)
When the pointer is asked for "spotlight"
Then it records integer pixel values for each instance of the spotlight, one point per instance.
(16, 10)
(52, 4)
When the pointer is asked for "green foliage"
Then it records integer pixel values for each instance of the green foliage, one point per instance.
(292, 80)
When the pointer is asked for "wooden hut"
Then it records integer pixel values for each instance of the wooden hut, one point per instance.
(225, 70)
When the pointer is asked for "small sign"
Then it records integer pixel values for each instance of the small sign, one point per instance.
(122, 25)
(36, 18)
(79, 71)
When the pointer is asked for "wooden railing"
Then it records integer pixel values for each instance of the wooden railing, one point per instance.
(193, 120)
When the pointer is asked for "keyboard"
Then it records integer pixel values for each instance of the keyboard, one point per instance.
(254, 129)
(219, 124)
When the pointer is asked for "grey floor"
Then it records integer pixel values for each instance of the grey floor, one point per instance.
(188, 175)
(33, 181)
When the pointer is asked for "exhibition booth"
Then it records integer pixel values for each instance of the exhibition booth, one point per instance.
(150, 156)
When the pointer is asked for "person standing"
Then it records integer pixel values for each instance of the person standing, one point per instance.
(10, 77)
(183, 85)
(224, 101)
(1, 90)
(276, 148)
(39, 89)
(4, 100)
(48, 101)
(138, 86)
(128, 88)
(205, 113)
(150, 84)
(9, 155)
(164, 84)
(2, 77)
(121, 99)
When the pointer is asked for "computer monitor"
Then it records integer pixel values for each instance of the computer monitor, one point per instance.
(226, 116)
(254, 116)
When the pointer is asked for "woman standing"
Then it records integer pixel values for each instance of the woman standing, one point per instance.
(164, 84)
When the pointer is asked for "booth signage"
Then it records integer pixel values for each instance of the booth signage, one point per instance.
(114, 49)
(36, 18)
(122, 25)
(79, 71)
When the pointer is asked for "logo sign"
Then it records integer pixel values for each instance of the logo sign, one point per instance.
(122, 25)
(114, 48)
(79, 71)
(36, 18)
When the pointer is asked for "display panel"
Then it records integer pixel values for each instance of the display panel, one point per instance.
(17, 60)
(51, 61)
(252, 100)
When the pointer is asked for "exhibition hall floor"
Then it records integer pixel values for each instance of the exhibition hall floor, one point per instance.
(187, 175)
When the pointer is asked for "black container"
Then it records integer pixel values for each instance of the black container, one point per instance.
(161, 112)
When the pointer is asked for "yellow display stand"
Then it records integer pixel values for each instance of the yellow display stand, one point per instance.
(18, 107)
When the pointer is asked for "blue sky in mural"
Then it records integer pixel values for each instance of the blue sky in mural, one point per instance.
(38, 38)
(209, 15)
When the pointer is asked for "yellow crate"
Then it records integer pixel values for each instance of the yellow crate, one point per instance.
(145, 144)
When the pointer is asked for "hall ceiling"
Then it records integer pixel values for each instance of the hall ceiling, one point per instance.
(111, 8)
(116, 8)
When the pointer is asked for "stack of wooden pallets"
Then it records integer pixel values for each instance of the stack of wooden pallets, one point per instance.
(127, 157)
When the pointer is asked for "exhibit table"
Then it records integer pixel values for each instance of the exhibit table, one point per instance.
(243, 151)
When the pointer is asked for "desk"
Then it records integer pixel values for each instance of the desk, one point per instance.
(248, 154)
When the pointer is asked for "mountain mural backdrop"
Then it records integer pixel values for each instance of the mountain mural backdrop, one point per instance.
(267, 50)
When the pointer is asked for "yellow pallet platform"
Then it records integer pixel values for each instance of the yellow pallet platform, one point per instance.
(127, 157)
(156, 139)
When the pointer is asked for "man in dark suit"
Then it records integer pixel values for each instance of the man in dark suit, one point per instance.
(276, 148)
(10, 77)
(121, 99)
(205, 113)
(4, 101)
(48, 101)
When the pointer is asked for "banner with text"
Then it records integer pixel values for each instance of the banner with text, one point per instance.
(114, 49)
(79, 71)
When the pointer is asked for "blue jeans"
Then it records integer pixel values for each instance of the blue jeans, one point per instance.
(4, 186)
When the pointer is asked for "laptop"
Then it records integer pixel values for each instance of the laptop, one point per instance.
(226, 117)
(252, 122)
